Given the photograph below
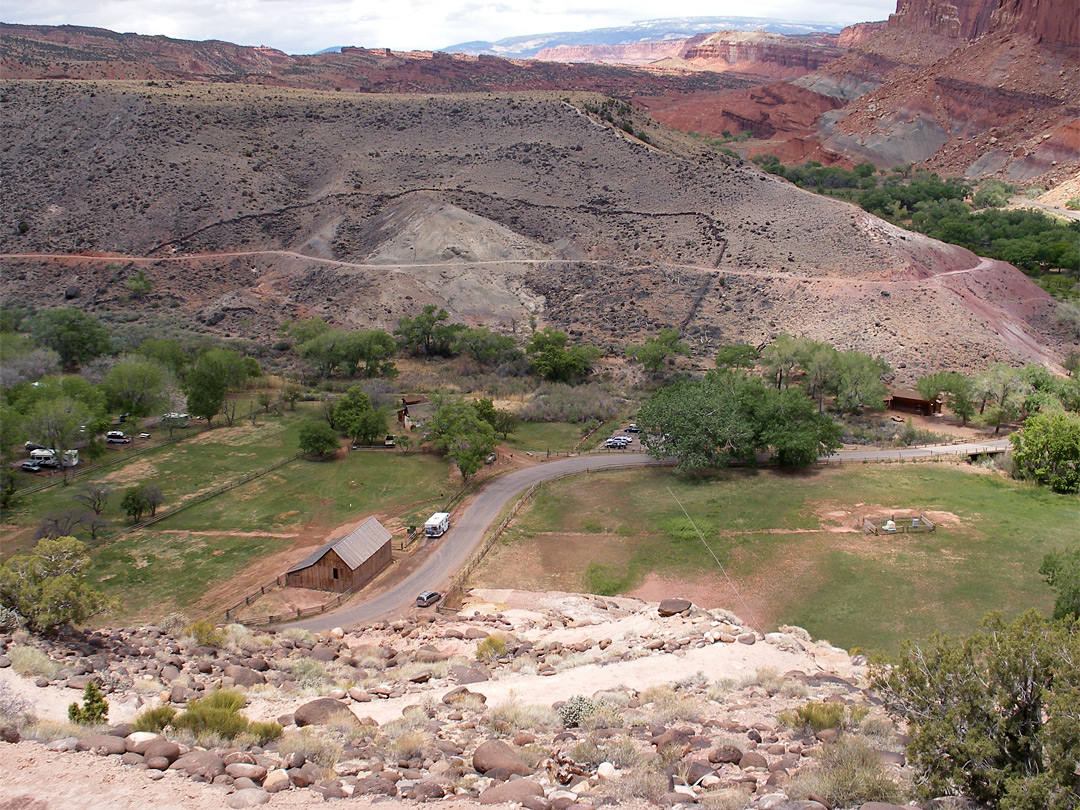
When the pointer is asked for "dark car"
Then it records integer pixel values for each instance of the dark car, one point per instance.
(428, 598)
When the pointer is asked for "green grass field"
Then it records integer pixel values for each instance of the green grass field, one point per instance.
(190, 561)
(790, 543)
(539, 437)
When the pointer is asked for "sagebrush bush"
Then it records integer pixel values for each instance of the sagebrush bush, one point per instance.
(576, 709)
(264, 732)
(490, 649)
(30, 662)
(558, 402)
(320, 750)
(848, 772)
(154, 720)
(309, 673)
(14, 709)
(205, 633)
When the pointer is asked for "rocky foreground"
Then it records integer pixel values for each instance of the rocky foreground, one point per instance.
(544, 700)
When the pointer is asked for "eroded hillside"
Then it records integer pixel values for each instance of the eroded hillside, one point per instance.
(246, 206)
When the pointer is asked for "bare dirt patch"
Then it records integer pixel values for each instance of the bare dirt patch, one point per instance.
(134, 471)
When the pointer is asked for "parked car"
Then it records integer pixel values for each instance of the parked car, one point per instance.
(617, 442)
(31, 466)
(633, 428)
(31, 446)
(428, 598)
(490, 459)
(388, 441)
(144, 435)
(117, 437)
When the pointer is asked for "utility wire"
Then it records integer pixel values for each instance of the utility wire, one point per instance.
(701, 537)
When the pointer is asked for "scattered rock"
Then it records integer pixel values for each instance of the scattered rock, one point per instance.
(517, 790)
(248, 797)
(673, 607)
(497, 755)
(319, 711)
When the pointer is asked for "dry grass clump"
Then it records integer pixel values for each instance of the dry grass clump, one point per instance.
(410, 744)
(767, 678)
(817, 716)
(321, 750)
(619, 751)
(727, 799)
(511, 716)
(636, 783)
(311, 675)
(14, 710)
(718, 690)
(669, 707)
(848, 772)
(30, 662)
(51, 730)
(468, 702)
(298, 634)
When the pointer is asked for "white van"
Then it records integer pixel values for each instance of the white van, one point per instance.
(47, 458)
(437, 524)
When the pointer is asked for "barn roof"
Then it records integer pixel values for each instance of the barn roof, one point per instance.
(354, 548)
(907, 393)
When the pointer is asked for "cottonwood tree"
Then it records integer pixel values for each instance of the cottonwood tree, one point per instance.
(56, 423)
(1047, 449)
(74, 335)
(737, 355)
(654, 352)
(135, 386)
(456, 429)
(318, 439)
(552, 358)
(428, 334)
(355, 415)
(94, 496)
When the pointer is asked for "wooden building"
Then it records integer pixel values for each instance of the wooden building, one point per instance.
(910, 401)
(414, 411)
(347, 563)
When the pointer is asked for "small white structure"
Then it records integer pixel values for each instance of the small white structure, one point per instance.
(437, 524)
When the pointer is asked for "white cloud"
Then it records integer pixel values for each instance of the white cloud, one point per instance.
(304, 26)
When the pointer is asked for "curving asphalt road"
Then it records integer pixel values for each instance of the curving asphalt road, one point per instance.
(470, 528)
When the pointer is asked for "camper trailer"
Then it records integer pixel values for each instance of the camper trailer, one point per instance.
(437, 524)
(47, 458)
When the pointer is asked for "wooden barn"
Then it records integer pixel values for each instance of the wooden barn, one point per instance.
(345, 564)
(912, 402)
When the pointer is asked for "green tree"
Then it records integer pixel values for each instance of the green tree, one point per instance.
(298, 332)
(47, 587)
(324, 351)
(139, 285)
(74, 335)
(653, 353)
(858, 382)
(368, 353)
(781, 358)
(95, 708)
(134, 503)
(704, 424)
(1061, 570)
(797, 432)
(428, 334)
(993, 716)
(57, 424)
(355, 415)
(551, 358)
(9, 486)
(215, 373)
(486, 348)
(135, 387)
(737, 355)
(821, 365)
(456, 429)
(318, 439)
(1047, 449)
(166, 353)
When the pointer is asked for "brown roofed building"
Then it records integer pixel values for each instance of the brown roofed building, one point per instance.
(345, 564)
(910, 401)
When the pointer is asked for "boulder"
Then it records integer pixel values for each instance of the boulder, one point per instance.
(277, 780)
(725, 753)
(244, 770)
(459, 693)
(5, 662)
(244, 676)
(199, 763)
(160, 748)
(673, 607)
(747, 638)
(517, 790)
(426, 790)
(375, 786)
(497, 755)
(156, 763)
(106, 743)
(752, 759)
(359, 695)
(320, 710)
(248, 797)
(466, 675)
(137, 741)
(9, 734)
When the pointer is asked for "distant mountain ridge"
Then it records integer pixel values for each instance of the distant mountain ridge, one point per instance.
(528, 46)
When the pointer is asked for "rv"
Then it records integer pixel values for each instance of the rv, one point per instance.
(47, 458)
(437, 524)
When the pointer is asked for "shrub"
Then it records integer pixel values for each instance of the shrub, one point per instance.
(320, 750)
(14, 709)
(205, 633)
(95, 708)
(814, 715)
(576, 709)
(849, 772)
(217, 713)
(490, 649)
(154, 720)
(510, 716)
(265, 732)
(32, 662)
(410, 744)
(309, 673)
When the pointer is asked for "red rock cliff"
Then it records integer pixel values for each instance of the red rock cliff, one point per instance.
(1050, 21)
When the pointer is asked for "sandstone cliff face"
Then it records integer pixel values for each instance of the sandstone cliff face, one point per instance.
(759, 52)
(1050, 21)
(638, 53)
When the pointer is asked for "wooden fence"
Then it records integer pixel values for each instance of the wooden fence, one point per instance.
(905, 525)
(213, 493)
(260, 621)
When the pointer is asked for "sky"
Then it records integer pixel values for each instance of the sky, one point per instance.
(307, 26)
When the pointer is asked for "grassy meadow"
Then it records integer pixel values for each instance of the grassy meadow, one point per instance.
(792, 545)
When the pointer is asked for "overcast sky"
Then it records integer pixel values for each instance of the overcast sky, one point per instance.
(306, 26)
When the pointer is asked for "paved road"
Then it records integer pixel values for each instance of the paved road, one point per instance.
(471, 527)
